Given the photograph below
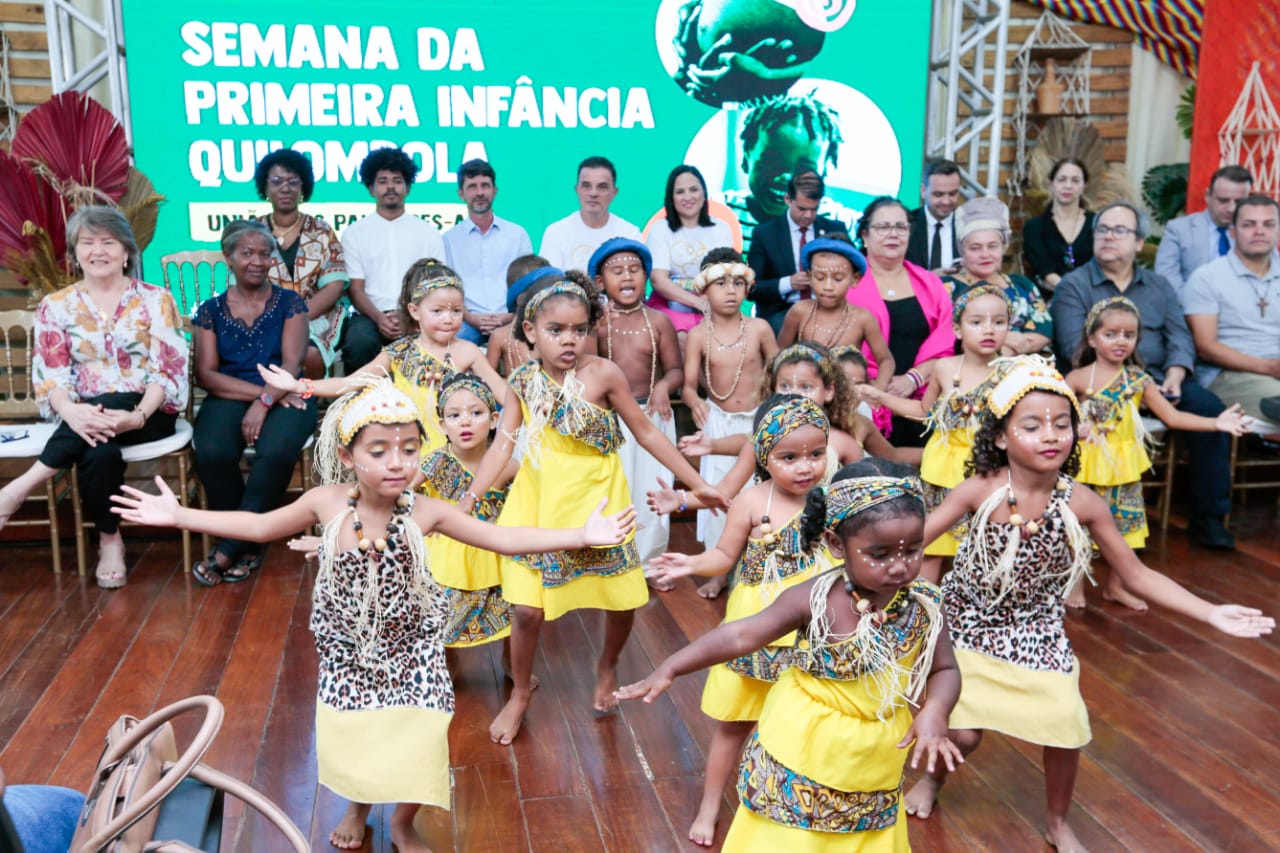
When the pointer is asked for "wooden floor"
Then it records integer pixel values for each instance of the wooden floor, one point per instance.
(1185, 756)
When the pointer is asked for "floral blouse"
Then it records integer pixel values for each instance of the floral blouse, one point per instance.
(317, 263)
(89, 354)
(1028, 314)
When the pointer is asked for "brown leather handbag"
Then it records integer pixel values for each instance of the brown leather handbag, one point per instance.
(141, 766)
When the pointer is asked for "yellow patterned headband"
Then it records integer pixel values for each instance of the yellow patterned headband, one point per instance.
(1022, 374)
(716, 272)
(847, 498)
(431, 285)
(1107, 304)
(962, 301)
(560, 288)
(787, 414)
(465, 382)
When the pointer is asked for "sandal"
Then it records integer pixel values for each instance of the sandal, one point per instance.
(111, 568)
(206, 571)
(247, 564)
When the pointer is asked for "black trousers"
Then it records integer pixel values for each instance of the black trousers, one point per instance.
(361, 342)
(1209, 454)
(219, 445)
(101, 468)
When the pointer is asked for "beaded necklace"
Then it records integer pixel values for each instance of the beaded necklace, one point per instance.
(653, 341)
(742, 359)
(1030, 525)
(846, 314)
(377, 546)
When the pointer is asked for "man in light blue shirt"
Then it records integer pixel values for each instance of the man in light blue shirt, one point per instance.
(1194, 240)
(480, 248)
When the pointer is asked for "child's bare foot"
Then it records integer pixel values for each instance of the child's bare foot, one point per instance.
(1116, 592)
(703, 830)
(506, 725)
(404, 837)
(1060, 835)
(1075, 598)
(713, 587)
(606, 685)
(922, 797)
(349, 833)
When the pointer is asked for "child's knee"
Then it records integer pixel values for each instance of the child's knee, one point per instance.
(966, 739)
(527, 618)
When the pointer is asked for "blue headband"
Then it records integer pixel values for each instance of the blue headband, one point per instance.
(526, 281)
(615, 245)
(836, 247)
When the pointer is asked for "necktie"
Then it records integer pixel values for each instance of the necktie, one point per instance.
(935, 251)
(1224, 245)
(806, 293)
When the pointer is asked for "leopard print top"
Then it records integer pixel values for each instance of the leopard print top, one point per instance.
(1025, 629)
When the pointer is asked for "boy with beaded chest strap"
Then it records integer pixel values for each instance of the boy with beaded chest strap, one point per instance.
(728, 351)
(643, 343)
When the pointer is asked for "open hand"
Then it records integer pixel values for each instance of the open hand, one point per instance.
(698, 408)
(276, 376)
(901, 386)
(670, 567)
(1234, 421)
(871, 394)
(659, 404)
(1240, 621)
(601, 530)
(665, 500)
(648, 690)
(695, 445)
(151, 510)
(930, 736)
(308, 545)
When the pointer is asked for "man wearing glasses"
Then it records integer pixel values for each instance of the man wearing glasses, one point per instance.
(1165, 344)
(776, 245)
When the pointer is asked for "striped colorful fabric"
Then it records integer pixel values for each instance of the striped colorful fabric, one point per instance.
(1168, 28)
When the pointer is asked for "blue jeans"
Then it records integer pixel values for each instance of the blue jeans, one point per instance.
(44, 816)
(469, 332)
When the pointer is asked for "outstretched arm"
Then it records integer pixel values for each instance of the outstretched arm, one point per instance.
(163, 510)
(333, 387)
(1232, 420)
(597, 531)
(732, 639)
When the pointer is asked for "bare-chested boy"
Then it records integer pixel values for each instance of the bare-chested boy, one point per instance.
(643, 343)
(726, 353)
(505, 353)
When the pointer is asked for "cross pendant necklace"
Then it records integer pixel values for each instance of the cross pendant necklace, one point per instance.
(1262, 304)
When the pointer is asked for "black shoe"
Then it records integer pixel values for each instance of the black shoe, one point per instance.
(1212, 533)
(1271, 408)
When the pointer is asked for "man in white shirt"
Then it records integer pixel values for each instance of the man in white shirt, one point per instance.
(480, 248)
(1194, 240)
(932, 244)
(379, 250)
(569, 242)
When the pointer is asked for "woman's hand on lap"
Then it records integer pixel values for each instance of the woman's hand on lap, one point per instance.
(901, 386)
(92, 423)
(251, 423)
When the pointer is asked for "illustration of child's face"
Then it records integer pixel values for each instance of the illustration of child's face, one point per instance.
(775, 156)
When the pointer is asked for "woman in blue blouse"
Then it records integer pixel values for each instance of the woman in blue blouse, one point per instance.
(254, 322)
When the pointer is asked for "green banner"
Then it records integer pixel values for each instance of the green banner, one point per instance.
(531, 87)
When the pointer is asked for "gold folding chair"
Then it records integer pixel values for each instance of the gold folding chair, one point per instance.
(192, 277)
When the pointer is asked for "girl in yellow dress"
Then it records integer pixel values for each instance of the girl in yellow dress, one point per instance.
(954, 400)
(431, 303)
(471, 577)
(761, 544)
(1028, 543)
(824, 771)
(569, 405)
(1110, 381)
(385, 700)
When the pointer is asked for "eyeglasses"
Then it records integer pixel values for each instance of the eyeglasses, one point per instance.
(291, 183)
(1113, 231)
(891, 227)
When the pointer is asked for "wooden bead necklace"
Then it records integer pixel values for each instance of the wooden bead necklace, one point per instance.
(811, 322)
(653, 341)
(863, 607)
(1015, 518)
(766, 527)
(378, 545)
(742, 359)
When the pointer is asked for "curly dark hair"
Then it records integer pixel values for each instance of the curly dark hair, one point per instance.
(818, 120)
(291, 161)
(387, 160)
(1085, 354)
(721, 255)
(814, 520)
(594, 309)
(986, 457)
(843, 409)
(421, 270)
(877, 204)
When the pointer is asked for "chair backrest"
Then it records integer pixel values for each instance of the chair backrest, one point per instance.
(195, 277)
(17, 397)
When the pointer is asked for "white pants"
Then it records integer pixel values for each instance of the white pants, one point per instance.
(652, 531)
(720, 424)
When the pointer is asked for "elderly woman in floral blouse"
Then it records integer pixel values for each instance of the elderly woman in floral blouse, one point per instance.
(982, 232)
(110, 362)
(308, 253)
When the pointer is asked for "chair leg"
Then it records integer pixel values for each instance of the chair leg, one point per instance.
(184, 496)
(81, 561)
(51, 506)
(205, 544)
(1170, 463)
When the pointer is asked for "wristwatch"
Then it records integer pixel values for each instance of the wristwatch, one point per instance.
(266, 399)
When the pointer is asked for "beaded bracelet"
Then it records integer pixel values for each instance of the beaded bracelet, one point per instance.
(308, 389)
(470, 494)
(684, 501)
(916, 379)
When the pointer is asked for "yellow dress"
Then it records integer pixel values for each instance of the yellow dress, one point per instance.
(419, 374)
(1018, 673)
(736, 690)
(1114, 458)
(471, 576)
(953, 421)
(823, 773)
(569, 464)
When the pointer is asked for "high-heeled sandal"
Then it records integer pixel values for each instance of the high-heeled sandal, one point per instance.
(8, 506)
(111, 569)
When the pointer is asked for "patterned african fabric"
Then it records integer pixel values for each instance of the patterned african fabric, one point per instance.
(317, 263)
(1170, 29)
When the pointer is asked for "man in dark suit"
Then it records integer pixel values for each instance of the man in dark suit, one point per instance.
(775, 249)
(933, 224)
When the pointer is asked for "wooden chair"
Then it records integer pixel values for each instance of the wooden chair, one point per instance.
(20, 416)
(1163, 462)
(195, 277)
(1245, 464)
(174, 449)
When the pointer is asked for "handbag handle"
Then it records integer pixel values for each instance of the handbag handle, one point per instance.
(251, 797)
(149, 799)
